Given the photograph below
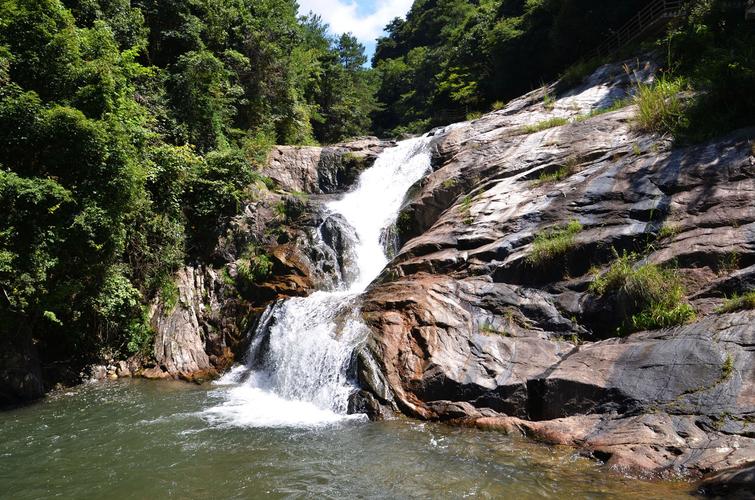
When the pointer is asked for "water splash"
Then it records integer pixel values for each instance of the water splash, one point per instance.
(297, 371)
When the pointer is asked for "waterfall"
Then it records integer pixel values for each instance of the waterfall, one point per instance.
(297, 370)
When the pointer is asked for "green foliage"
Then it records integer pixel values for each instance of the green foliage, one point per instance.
(668, 231)
(739, 302)
(451, 56)
(549, 101)
(253, 266)
(553, 242)
(714, 49)
(130, 133)
(544, 125)
(169, 294)
(654, 297)
(465, 207)
(659, 107)
(497, 105)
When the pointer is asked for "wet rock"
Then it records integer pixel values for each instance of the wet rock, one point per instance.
(98, 372)
(122, 369)
(155, 373)
(730, 483)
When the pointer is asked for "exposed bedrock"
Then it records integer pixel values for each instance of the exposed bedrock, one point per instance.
(467, 327)
(300, 247)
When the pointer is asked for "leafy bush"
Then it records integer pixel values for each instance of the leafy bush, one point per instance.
(553, 242)
(654, 297)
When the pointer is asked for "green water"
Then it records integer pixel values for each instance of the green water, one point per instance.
(141, 439)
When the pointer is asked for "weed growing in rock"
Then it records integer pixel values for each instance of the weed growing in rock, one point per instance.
(544, 125)
(549, 101)
(466, 206)
(497, 105)
(576, 73)
(668, 231)
(473, 115)
(559, 174)
(253, 266)
(727, 368)
(169, 294)
(659, 108)
(728, 263)
(489, 329)
(553, 242)
(655, 297)
(739, 302)
(448, 183)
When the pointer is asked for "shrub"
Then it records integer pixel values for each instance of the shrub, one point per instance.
(739, 302)
(473, 115)
(553, 242)
(654, 297)
(659, 108)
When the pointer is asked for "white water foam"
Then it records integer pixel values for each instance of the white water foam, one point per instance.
(298, 363)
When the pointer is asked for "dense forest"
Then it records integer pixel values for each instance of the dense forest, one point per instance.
(453, 58)
(129, 130)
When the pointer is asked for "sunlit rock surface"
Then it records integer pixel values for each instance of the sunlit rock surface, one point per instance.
(465, 328)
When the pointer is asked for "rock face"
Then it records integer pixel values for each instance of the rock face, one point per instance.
(318, 170)
(179, 343)
(201, 330)
(467, 328)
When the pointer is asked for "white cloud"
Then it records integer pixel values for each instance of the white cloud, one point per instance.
(343, 15)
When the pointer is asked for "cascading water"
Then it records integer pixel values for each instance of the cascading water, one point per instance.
(297, 365)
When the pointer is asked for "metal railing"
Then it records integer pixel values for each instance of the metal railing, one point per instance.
(652, 16)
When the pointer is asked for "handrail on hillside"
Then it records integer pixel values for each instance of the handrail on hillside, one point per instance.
(649, 17)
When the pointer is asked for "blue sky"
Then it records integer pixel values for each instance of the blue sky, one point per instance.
(365, 19)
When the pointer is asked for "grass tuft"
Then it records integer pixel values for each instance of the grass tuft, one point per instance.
(553, 242)
(739, 302)
(543, 125)
(659, 108)
(497, 105)
(654, 296)
(561, 173)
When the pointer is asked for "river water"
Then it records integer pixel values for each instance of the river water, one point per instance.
(276, 425)
(146, 439)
